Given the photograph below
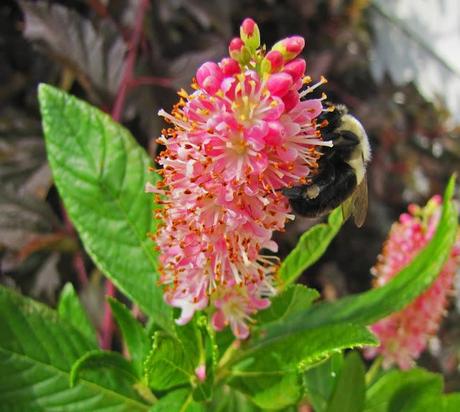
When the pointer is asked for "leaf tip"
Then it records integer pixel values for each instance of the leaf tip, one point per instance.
(43, 90)
(73, 378)
(115, 305)
(450, 188)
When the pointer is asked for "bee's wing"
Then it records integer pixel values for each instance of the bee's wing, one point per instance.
(356, 204)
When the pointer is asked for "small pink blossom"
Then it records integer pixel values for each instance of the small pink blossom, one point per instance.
(242, 135)
(234, 307)
(200, 372)
(404, 335)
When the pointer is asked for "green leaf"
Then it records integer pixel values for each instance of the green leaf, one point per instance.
(366, 308)
(168, 364)
(111, 370)
(319, 381)
(100, 172)
(37, 351)
(310, 248)
(173, 360)
(402, 391)
(177, 401)
(292, 300)
(350, 390)
(229, 400)
(269, 390)
(450, 402)
(134, 335)
(71, 310)
(268, 370)
(433, 401)
(98, 359)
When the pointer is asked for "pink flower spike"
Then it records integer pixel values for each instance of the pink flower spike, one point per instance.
(231, 144)
(404, 335)
(279, 83)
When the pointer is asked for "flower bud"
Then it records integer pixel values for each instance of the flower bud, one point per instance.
(290, 100)
(238, 51)
(200, 372)
(249, 33)
(229, 66)
(296, 68)
(290, 47)
(279, 84)
(272, 62)
(235, 48)
(209, 77)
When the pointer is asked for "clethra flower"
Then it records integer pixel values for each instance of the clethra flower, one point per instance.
(405, 334)
(245, 132)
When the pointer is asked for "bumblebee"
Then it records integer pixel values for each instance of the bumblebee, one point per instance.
(341, 175)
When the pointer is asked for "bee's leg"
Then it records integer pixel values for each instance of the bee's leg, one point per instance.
(338, 188)
(294, 192)
(332, 195)
(322, 180)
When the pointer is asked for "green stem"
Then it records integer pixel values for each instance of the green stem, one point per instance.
(374, 370)
(227, 356)
(222, 371)
(186, 403)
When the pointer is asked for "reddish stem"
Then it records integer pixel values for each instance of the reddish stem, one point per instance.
(79, 266)
(99, 8)
(150, 81)
(130, 61)
(77, 262)
(117, 110)
(107, 322)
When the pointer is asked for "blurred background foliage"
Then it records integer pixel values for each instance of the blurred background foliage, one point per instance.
(384, 59)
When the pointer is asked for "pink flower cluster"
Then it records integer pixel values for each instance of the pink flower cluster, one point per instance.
(404, 335)
(243, 134)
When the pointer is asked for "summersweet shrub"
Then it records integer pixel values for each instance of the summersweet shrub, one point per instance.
(244, 336)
